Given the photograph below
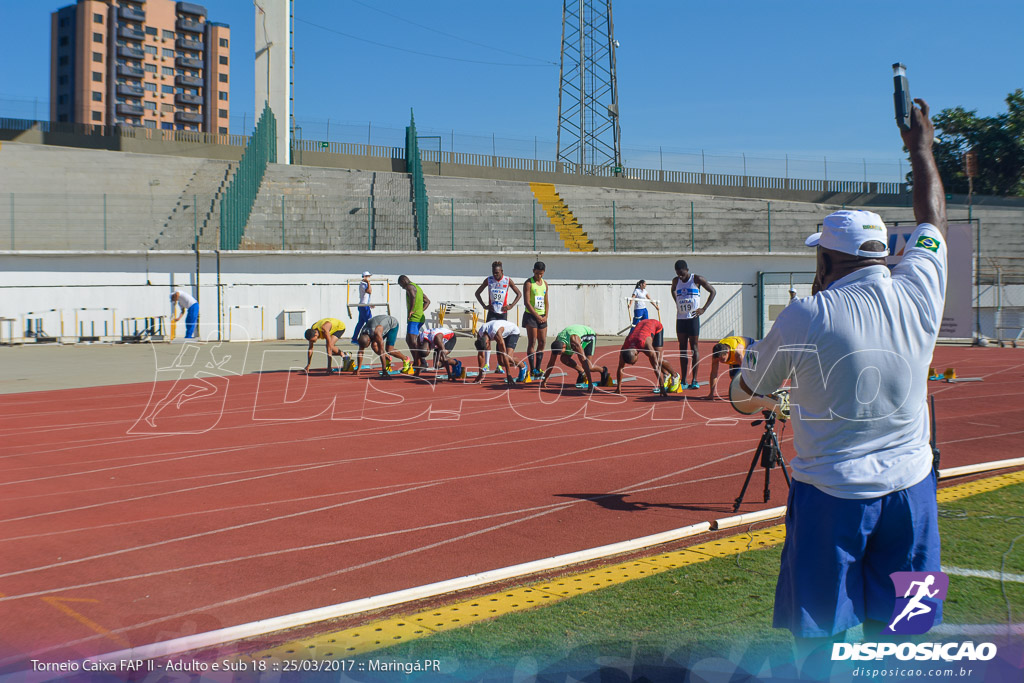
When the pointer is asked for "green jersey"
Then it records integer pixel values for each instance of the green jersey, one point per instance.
(416, 310)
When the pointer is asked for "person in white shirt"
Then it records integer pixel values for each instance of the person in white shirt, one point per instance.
(440, 340)
(189, 308)
(505, 335)
(497, 285)
(639, 300)
(365, 311)
(686, 293)
(863, 499)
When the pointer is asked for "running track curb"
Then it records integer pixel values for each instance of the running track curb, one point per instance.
(222, 636)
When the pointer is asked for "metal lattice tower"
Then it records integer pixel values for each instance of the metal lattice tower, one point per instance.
(588, 99)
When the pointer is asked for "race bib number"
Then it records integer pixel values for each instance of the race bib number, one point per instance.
(496, 297)
(538, 302)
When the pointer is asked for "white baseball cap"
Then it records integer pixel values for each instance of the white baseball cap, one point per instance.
(847, 231)
(366, 273)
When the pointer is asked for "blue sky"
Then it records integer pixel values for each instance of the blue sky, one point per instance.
(766, 79)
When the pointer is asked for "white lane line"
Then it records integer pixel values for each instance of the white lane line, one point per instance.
(984, 574)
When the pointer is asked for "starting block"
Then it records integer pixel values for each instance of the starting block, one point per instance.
(347, 364)
(933, 375)
(949, 374)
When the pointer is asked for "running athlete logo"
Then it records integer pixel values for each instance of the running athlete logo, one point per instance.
(918, 598)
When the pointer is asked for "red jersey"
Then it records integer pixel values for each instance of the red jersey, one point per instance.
(643, 331)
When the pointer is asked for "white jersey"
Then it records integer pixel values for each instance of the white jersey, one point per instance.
(491, 330)
(640, 300)
(428, 333)
(499, 292)
(364, 296)
(687, 296)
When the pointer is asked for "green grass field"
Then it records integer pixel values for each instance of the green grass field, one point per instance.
(723, 607)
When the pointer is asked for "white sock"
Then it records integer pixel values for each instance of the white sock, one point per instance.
(487, 359)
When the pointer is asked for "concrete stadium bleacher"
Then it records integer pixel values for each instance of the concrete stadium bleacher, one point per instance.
(329, 208)
(71, 198)
(489, 215)
(80, 199)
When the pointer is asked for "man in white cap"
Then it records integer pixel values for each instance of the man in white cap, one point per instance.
(862, 503)
(189, 308)
(365, 312)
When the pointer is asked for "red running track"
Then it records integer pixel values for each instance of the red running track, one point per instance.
(249, 497)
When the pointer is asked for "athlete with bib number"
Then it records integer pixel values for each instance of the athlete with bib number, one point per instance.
(535, 319)
(686, 293)
(497, 286)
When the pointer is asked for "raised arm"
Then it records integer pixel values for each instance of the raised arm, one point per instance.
(929, 196)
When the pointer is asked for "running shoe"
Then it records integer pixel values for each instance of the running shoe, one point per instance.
(676, 384)
(522, 374)
(605, 376)
(693, 385)
(457, 371)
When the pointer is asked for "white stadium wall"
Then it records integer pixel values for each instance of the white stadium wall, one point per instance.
(585, 288)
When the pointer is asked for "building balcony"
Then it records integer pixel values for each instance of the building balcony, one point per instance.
(130, 14)
(130, 34)
(186, 63)
(130, 110)
(188, 117)
(190, 8)
(130, 91)
(129, 71)
(130, 53)
(189, 25)
(185, 98)
(188, 44)
(188, 81)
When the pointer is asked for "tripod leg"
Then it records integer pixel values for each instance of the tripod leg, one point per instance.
(750, 473)
(781, 461)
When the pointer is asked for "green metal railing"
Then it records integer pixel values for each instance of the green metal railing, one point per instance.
(240, 194)
(419, 188)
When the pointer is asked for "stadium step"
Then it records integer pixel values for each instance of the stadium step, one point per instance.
(569, 229)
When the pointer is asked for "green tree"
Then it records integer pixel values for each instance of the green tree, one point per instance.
(997, 140)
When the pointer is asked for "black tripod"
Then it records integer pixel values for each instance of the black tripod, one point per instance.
(769, 453)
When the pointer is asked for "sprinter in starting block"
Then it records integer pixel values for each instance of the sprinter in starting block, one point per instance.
(730, 351)
(380, 334)
(330, 330)
(505, 335)
(440, 340)
(647, 337)
(575, 340)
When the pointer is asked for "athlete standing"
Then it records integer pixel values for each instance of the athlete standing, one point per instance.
(686, 292)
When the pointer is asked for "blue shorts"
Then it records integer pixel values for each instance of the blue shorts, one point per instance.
(839, 553)
(639, 315)
(414, 328)
(393, 336)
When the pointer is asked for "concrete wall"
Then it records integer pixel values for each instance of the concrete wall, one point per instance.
(585, 288)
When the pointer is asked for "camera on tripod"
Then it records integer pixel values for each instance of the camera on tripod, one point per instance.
(768, 453)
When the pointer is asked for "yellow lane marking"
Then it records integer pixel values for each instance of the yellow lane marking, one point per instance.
(350, 642)
(89, 623)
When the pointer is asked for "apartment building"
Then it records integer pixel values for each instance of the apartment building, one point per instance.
(154, 63)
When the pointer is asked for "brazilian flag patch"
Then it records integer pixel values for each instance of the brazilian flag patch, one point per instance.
(926, 242)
